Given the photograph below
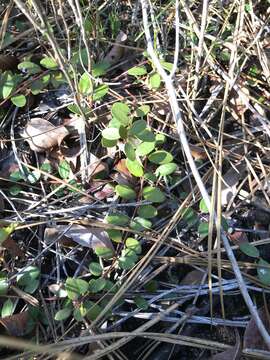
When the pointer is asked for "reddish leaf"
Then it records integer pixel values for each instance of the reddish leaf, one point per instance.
(16, 325)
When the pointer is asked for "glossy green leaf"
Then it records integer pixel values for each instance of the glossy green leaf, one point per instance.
(147, 211)
(137, 127)
(160, 139)
(96, 285)
(141, 302)
(137, 71)
(146, 135)
(190, 216)
(203, 229)
(117, 219)
(150, 176)
(27, 277)
(134, 245)
(115, 235)
(3, 285)
(75, 288)
(111, 134)
(7, 309)
(108, 143)
(15, 190)
(140, 224)
(134, 167)
(153, 194)
(64, 169)
(263, 271)
(125, 192)
(130, 152)
(30, 67)
(203, 207)
(93, 310)
(85, 84)
(154, 81)
(145, 148)
(166, 169)
(126, 262)
(49, 63)
(95, 269)
(143, 110)
(8, 84)
(100, 92)
(160, 157)
(104, 252)
(31, 286)
(249, 250)
(63, 314)
(100, 68)
(130, 253)
(120, 111)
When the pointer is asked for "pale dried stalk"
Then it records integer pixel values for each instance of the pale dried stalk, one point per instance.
(182, 135)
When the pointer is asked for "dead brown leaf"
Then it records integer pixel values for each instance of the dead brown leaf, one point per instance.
(194, 277)
(8, 62)
(16, 325)
(13, 248)
(83, 235)
(252, 337)
(117, 50)
(41, 135)
(234, 353)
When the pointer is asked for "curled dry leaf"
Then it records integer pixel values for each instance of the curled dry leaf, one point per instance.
(105, 192)
(194, 277)
(230, 181)
(233, 353)
(13, 248)
(8, 62)
(83, 235)
(252, 337)
(117, 51)
(16, 325)
(41, 135)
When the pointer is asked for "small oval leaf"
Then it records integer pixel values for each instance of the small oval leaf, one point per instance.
(134, 167)
(125, 192)
(153, 194)
(160, 157)
(249, 250)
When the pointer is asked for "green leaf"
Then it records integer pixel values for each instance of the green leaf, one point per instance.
(100, 92)
(140, 224)
(100, 68)
(120, 111)
(74, 108)
(3, 285)
(125, 192)
(108, 143)
(134, 245)
(30, 67)
(189, 216)
(150, 176)
(8, 85)
(15, 190)
(85, 84)
(146, 135)
(153, 194)
(160, 139)
(93, 310)
(117, 219)
(111, 134)
(141, 302)
(97, 285)
(264, 272)
(115, 235)
(137, 71)
(203, 229)
(127, 252)
(36, 87)
(49, 63)
(147, 211)
(249, 250)
(63, 314)
(75, 288)
(134, 167)
(130, 152)
(125, 262)
(64, 169)
(95, 269)
(160, 157)
(154, 81)
(28, 275)
(19, 100)
(145, 148)
(138, 127)
(166, 169)
(166, 65)
(31, 286)
(104, 252)
(143, 110)
(7, 309)
(203, 207)
(151, 286)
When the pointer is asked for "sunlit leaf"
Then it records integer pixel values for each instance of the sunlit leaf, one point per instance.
(140, 224)
(76, 287)
(147, 211)
(120, 111)
(100, 92)
(64, 169)
(166, 169)
(143, 110)
(137, 71)
(154, 81)
(117, 219)
(134, 245)
(134, 167)
(130, 152)
(145, 148)
(85, 84)
(95, 269)
(160, 157)
(125, 192)
(49, 63)
(111, 134)
(153, 194)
